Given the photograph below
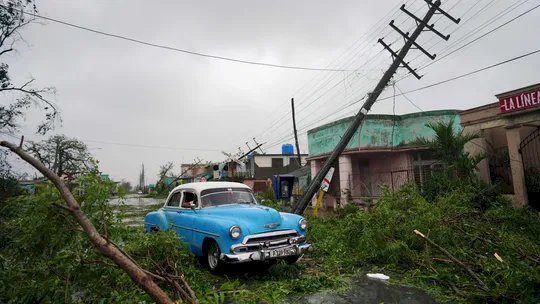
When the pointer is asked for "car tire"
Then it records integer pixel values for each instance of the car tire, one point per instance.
(212, 257)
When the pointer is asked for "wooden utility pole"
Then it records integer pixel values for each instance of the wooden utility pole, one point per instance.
(295, 134)
(399, 60)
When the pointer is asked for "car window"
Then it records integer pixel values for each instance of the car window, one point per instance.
(174, 201)
(226, 196)
(189, 199)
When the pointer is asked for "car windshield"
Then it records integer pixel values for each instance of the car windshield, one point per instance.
(226, 196)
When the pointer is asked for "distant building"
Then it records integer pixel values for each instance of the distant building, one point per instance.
(263, 166)
(193, 170)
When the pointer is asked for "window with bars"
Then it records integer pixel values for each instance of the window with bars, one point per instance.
(424, 166)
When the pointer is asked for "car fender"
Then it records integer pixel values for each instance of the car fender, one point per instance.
(155, 220)
(217, 229)
(291, 220)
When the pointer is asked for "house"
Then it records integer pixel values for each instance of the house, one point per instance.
(381, 152)
(510, 137)
(263, 166)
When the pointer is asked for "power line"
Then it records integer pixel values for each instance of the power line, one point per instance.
(426, 87)
(407, 98)
(333, 87)
(473, 72)
(484, 35)
(476, 30)
(363, 48)
(170, 48)
(130, 145)
(147, 146)
(322, 83)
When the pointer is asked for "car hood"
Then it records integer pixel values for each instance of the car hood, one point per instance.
(254, 218)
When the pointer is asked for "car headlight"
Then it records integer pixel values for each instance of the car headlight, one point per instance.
(303, 224)
(235, 232)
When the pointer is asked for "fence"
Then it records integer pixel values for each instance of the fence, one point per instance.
(367, 188)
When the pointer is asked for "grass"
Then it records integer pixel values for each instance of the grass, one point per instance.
(59, 261)
(353, 241)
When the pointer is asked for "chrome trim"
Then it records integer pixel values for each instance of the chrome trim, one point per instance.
(273, 233)
(271, 225)
(237, 248)
(261, 255)
(196, 230)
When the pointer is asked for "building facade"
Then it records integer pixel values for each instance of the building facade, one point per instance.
(263, 166)
(510, 138)
(381, 152)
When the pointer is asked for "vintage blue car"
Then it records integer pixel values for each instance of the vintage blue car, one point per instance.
(223, 223)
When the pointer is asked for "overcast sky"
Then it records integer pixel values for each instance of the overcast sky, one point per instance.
(114, 93)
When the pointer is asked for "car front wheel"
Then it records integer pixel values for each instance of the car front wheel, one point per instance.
(212, 256)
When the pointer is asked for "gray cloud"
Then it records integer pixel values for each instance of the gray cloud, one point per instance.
(116, 91)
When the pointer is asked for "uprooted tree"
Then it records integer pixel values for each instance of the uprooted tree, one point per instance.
(143, 278)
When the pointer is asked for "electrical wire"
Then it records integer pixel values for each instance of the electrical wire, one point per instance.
(366, 47)
(473, 31)
(273, 144)
(483, 35)
(407, 98)
(335, 85)
(170, 48)
(148, 146)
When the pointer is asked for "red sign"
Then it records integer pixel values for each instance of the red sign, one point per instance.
(521, 101)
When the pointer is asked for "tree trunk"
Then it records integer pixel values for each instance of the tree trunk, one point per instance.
(137, 274)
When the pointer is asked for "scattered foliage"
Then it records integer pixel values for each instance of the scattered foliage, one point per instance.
(60, 265)
(382, 240)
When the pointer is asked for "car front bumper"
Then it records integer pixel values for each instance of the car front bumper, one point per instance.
(266, 254)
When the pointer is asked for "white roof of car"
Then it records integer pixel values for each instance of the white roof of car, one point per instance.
(210, 185)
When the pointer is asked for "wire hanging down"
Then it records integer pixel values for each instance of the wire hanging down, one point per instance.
(170, 48)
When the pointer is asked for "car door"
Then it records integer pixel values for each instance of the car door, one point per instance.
(183, 219)
(176, 217)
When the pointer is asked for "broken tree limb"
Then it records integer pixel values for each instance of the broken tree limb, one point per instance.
(138, 275)
(451, 257)
(442, 260)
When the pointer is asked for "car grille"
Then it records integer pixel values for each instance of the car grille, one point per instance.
(268, 240)
(273, 237)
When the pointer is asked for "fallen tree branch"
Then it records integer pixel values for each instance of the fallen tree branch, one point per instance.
(524, 255)
(138, 275)
(442, 260)
(451, 257)
(165, 277)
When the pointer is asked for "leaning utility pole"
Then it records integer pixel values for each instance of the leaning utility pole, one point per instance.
(399, 59)
(295, 134)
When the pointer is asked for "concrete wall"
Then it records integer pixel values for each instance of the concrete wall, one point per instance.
(376, 131)
(499, 130)
(265, 160)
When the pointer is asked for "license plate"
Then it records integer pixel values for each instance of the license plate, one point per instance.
(280, 252)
